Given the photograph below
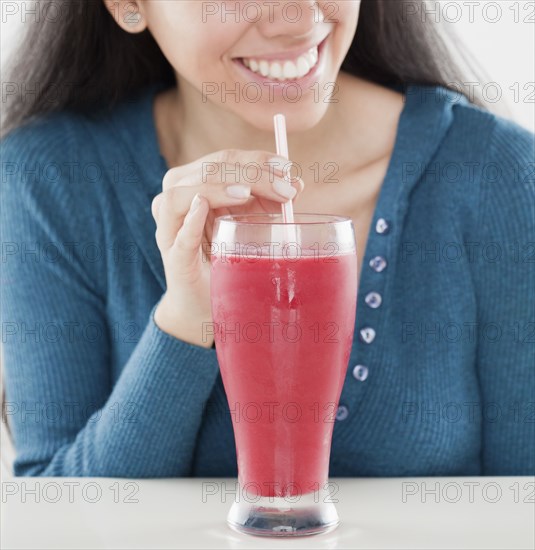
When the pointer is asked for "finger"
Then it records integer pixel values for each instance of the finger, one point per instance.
(299, 185)
(189, 238)
(230, 166)
(227, 161)
(174, 204)
(170, 207)
(263, 184)
(155, 206)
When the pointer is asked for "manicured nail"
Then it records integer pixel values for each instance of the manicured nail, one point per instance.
(195, 203)
(279, 161)
(194, 206)
(239, 191)
(281, 164)
(282, 187)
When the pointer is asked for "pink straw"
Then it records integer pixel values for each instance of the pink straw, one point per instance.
(281, 141)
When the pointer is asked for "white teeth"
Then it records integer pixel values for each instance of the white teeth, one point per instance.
(264, 68)
(288, 70)
(275, 70)
(303, 66)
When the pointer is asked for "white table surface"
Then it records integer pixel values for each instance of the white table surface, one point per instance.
(476, 512)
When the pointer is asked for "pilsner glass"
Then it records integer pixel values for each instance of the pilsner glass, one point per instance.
(283, 304)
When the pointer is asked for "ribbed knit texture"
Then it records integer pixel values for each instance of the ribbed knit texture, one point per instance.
(94, 388)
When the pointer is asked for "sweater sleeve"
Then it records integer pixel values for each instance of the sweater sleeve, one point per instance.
(65, 417)
(505, 284)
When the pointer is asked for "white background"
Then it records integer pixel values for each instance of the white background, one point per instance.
(499, 34)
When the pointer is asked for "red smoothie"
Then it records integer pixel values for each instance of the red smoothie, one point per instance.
(284, 329)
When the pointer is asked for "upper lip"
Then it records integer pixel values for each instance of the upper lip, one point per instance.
(288, 54)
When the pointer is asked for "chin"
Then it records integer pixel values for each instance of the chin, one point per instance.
(298, 118)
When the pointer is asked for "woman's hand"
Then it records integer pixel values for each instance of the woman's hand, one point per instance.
(193, 196)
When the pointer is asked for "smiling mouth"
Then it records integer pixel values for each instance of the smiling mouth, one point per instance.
(284, 69)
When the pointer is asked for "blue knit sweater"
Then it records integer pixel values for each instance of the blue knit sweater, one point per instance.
(441, 378)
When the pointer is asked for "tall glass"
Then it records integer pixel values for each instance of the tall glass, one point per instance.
(283, 305)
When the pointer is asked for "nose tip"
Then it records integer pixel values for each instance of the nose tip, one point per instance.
(296, 19)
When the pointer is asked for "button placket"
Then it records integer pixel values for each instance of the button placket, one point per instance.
(373, 299)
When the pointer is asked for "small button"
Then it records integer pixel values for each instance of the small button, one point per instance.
(373, 300)
(360, 372)
(382, 226)
(367, 335)
(342, 413)
(378, 264)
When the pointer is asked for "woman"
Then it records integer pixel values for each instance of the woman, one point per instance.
(113, 176)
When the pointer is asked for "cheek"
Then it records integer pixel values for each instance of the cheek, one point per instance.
(344, 11)
(344, 15)
(193, 47)
(347, 15)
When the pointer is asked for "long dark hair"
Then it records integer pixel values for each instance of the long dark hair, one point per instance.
(77, 57)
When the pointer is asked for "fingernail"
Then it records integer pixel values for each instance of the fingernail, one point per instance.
(282, 187)
(280, 164)
(195, 203)
(194, 206)
(239, 191)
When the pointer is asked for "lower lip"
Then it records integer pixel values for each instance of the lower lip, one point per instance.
(278, 86)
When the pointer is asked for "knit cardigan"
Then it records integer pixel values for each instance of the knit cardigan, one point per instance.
(441, 376)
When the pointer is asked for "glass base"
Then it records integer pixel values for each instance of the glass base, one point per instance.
(280, 517)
